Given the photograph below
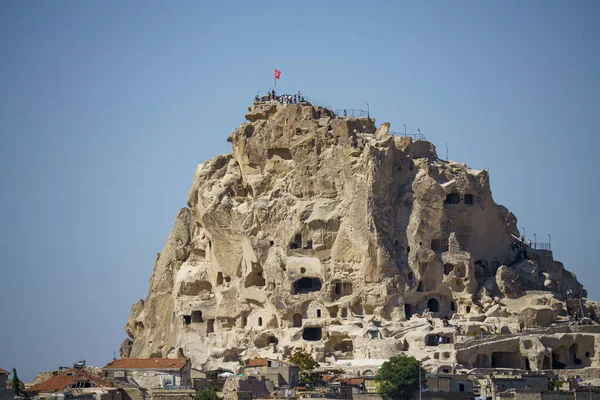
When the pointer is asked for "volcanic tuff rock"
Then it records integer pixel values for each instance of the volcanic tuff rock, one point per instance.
(330, 235)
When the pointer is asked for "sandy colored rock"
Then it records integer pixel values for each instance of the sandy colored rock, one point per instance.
(326, 235)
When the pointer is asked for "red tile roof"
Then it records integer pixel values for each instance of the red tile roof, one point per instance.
(66, 378)
(147, 363)
(327, 378)
(263, 362)
(351, 381)
(3, 371)
(257, 362)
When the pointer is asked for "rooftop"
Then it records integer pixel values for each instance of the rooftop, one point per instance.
(147, 363)
(263, 362)
(3, 371)
(69, 379)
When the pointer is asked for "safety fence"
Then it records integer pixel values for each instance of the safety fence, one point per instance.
(413, 136)
(351, 112)
(541, 246)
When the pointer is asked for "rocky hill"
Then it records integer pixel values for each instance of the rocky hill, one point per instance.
(328, 234)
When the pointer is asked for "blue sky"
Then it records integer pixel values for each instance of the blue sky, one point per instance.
(107, 107)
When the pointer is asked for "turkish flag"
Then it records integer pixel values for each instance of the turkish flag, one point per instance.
(277, 74)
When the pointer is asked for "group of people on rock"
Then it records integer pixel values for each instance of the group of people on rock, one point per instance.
(282, 99)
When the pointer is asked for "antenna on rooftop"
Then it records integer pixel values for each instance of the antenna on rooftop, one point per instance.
(114, 355)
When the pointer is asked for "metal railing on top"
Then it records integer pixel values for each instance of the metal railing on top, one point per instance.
(541, 246)
(351, 112)
(413, 136)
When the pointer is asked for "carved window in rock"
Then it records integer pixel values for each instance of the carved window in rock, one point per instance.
(452, 198)
(197, 316)
(433, 305)
(297, 243)
(260, 321)
(469, 199)
(448, 268)
(439, 245)
(420, 286)
(220, 278)
(187, 319)
(255, 278)
(407, 311)
(312, 334)
(318, 313)
(297, 320)
(210, 326)
(306, 285)
(341, 289)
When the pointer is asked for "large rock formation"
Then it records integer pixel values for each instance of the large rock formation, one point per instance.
(329, 235)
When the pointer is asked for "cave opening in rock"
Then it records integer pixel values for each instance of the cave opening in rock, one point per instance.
(452, 198)
(197, 316)
(259, 321)
(341, 289)
(482, 361)
(318, 313)
(220, 278)
(468, 309)
(187, 319)
(338, 288)
(297, 243)
(210, 326)
(344, 312)
(420, 286)
(448, 268)
(452, 306)
(307, 285)
(439, 245)
(255, 278)
(469, 199)
(433, 305)
(546, 363)
(407, 311)
(312, 334)
(309, 245)
(297, 320)
(504, 359)
(573, 354)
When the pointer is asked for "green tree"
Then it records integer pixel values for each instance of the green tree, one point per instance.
(17, 385)
(399, 378)
(305, 363)
(206, 394)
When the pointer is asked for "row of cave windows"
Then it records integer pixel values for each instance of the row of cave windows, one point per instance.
(454, 198)
(501, 359)
(434, 306)
(442, 245)
(196, 317)
(301, 286)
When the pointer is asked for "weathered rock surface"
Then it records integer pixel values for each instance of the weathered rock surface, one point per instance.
(331, 236)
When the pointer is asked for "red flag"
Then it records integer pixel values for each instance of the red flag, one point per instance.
(277, 74)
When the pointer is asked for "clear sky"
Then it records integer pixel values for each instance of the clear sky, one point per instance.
(106, 107)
